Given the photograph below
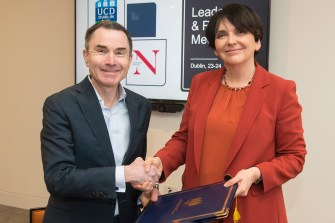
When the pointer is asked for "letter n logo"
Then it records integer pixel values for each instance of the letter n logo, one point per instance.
(151, 67)
(148, 67)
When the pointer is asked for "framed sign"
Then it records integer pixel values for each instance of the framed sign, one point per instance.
(169, 43)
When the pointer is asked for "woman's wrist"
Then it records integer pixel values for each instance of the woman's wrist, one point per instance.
(258, 176)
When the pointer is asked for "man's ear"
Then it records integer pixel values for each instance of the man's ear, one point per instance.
(86, 58)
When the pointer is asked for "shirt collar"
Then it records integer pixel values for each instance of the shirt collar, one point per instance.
(122, 94)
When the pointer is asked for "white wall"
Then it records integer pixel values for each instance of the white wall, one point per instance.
(301, 48)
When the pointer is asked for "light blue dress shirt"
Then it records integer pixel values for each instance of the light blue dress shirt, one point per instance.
(118, 125)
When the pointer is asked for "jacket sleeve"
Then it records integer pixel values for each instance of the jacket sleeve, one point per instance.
(173, 154)
(64, 174)
(290, 146)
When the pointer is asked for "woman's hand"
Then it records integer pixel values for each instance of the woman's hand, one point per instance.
(151, 195)
(244, 179)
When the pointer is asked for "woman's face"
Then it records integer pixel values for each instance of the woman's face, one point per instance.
(233, 46)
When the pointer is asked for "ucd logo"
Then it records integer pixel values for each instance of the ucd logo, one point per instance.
(106, 10)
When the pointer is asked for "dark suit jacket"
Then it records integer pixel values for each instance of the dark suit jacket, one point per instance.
(269, 135)
(78, 160)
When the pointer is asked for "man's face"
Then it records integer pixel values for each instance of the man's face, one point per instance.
(108, 57)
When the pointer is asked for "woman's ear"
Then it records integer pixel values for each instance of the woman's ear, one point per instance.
(258, 45)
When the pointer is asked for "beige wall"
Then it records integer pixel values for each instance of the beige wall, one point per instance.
(37, 59)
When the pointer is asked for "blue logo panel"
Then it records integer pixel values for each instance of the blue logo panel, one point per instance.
(141, 19)
(106, 10)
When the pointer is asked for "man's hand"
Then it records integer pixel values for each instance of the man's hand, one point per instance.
(136, 174)
(151, 162)
(141, 178)
(154, 174)
(153, 167)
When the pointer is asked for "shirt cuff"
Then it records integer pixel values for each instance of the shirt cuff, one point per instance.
(120, 182)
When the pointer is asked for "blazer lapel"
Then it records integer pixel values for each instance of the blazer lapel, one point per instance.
(90, 106)
(132, 106)
(253, 105)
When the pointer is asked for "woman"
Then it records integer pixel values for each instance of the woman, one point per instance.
(240, 120)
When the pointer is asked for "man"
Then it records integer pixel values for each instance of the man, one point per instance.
(93, 139)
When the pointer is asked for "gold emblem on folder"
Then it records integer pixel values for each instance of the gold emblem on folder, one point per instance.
(193, 202)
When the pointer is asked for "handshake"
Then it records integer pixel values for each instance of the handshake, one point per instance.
(144, 175)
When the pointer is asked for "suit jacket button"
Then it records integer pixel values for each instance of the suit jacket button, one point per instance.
(103, 194)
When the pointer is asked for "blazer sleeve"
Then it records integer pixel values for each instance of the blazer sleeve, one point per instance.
(173, 154)
(62, 174)
(290, 146)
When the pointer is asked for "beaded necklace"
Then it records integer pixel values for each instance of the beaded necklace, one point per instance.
(237, 88)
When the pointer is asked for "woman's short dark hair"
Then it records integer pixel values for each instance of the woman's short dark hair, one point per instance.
(107, 24)
(241, 16)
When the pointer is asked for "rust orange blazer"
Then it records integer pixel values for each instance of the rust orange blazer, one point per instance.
(269, 136)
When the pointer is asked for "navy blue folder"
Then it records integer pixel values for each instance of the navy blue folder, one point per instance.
(196, 205)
